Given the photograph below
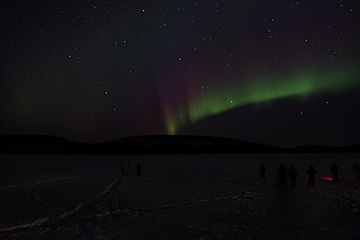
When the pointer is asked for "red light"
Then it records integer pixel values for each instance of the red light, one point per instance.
(328, 179)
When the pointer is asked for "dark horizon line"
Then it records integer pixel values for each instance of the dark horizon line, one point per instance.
(170, 136)
(155, 144)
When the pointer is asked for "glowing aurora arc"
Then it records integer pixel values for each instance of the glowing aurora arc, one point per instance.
(262, 90)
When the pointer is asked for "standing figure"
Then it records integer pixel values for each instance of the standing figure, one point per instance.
(138, 170)
(311, 172)
(356, 173)
(282, 175)
(293, 176)
(262, 170)
(334, 171)
(354, 170)
(122, 170)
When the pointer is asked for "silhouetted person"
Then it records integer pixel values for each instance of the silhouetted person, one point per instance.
(354, 169)
(334, 170)
(356, 172)
(293, 176)
(262, 170)
(122, 169)
(282, 175)
(311, 172)
(138, 169)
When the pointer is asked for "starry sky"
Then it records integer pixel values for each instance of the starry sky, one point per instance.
(280, 72)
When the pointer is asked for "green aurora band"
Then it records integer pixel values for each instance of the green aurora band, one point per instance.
(301, 85)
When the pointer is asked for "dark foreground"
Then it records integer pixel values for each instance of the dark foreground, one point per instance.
(178, 197)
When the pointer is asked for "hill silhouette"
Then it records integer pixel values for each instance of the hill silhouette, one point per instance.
(152, 144)
(36, 144)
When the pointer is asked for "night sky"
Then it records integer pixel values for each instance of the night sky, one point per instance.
(279, 72)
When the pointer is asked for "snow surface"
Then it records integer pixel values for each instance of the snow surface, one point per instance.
(178, 197)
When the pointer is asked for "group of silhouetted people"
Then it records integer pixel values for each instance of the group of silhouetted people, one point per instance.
(311, 172)
(138, 169)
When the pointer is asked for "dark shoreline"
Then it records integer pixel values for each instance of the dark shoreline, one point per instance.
(153, 144)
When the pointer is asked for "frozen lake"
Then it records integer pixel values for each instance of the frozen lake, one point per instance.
(177, 197)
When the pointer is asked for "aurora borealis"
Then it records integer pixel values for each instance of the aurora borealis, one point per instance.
(265, 89)
(278, 72)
